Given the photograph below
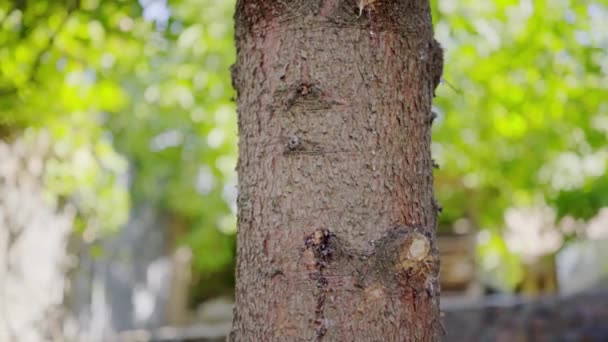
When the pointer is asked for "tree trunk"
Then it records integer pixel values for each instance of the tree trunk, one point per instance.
(337, 216)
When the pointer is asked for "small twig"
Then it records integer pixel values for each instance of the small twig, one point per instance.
(458, 91)
(48, 46)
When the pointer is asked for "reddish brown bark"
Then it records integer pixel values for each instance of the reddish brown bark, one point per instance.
(337, 217)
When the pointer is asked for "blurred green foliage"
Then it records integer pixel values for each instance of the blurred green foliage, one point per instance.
(523, 112)
(137, 97)
(531, 80)
(180, 131)
(143, 88)
(60, 68)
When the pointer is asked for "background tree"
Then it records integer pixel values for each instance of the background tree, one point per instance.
(336, 209)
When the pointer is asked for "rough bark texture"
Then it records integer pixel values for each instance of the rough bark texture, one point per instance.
(337, 216)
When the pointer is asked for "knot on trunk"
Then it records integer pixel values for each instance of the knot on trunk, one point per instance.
(406, 253)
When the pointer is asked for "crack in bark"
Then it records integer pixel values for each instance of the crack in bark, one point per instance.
(401, 264)
(322, 243)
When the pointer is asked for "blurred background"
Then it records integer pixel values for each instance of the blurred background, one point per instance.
(118, 148)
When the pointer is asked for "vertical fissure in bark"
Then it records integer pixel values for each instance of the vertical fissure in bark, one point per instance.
(400, 264)
(321, 244)
(334, 105)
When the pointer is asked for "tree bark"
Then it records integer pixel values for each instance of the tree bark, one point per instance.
(336, 214)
